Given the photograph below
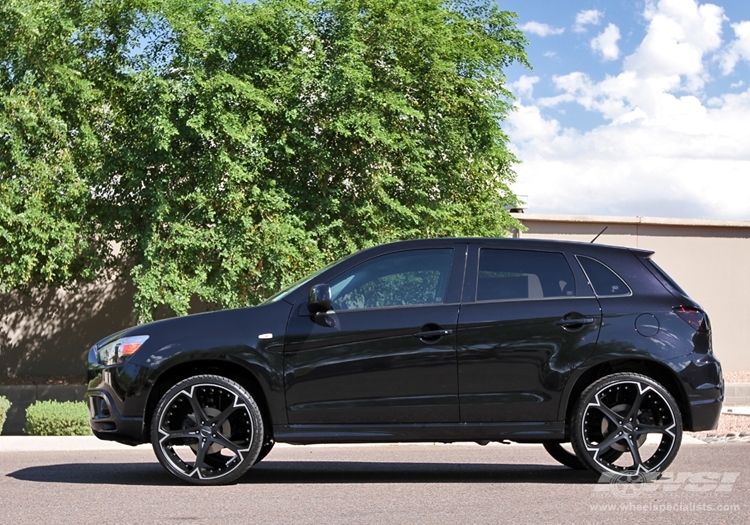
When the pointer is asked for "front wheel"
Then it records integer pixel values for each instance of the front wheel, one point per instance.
(563, 455)
(207, 430)
(613, 419)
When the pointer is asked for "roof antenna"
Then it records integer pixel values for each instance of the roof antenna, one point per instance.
(598, 234)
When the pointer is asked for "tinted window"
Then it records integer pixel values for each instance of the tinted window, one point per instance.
(398, 279)
(521, 274)
(605, 281)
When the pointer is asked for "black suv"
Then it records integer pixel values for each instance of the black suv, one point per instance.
(423, 341)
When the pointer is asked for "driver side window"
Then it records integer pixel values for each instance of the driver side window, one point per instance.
(406, 278)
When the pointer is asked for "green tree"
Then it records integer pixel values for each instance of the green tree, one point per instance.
(45, 130)
(226, 149)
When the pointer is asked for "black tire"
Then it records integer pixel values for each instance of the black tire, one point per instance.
(562, 455)
(268, 444)
(207, 430)
(615, 414)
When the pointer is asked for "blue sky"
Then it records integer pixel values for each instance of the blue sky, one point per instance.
(637, 107)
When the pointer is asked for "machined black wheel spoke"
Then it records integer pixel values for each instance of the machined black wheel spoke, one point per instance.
(200, 414)
(609, 413)
(200, 456)
(219, 420)
(224, 442)
(610, 440)
(633, 412)
(653, 429)
(633, 446)
(188, 433)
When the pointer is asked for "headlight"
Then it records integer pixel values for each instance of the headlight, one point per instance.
(120, 349)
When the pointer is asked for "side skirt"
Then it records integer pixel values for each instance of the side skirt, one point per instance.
(522, 432)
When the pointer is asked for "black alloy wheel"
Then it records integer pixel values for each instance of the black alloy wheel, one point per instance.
(613, 419)
(207, 430)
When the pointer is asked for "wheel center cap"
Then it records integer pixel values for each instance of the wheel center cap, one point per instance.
(206, 431)
(628, 427)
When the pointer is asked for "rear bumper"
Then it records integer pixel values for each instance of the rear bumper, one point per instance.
(701, 378)
(705, 415)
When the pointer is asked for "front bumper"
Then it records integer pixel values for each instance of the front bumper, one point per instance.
(107, 423)
(111, 399)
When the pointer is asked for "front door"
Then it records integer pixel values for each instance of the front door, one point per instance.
(386, 353)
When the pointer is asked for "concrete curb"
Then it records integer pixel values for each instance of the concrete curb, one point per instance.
(736, 411)
(93, 444)
(737, 394)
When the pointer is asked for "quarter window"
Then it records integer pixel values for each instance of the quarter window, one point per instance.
(406, 278)
(523, 274)
(602, 278)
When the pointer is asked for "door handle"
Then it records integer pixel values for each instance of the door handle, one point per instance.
(432, 334)
(573, 322)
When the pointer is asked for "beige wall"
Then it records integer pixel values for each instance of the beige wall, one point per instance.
(48, 332)
(709, 259)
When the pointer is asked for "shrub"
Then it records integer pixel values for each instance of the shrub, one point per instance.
(55, 418)
(4, 408)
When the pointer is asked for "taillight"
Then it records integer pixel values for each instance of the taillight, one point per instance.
(692, 316)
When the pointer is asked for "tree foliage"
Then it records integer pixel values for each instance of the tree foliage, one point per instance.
(225, 149)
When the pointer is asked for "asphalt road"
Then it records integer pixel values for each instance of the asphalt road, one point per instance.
(442, 484)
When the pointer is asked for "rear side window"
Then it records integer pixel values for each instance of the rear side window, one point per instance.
(523, 274)
(606, 282)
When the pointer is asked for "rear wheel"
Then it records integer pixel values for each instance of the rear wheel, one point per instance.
(613, 419)
(207, 430)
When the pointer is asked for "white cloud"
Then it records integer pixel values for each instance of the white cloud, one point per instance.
(550, 54)
(529, 124)
(663, 151)
(587, 17)
(739, 49)
(524, 86)
(540, 29)
(680, 34)
(606, 43)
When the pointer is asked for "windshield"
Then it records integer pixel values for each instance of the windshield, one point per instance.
(286, 292)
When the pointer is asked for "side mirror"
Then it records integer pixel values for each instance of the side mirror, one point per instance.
(319, 299)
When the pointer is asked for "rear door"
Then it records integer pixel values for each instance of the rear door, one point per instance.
(527, 321)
